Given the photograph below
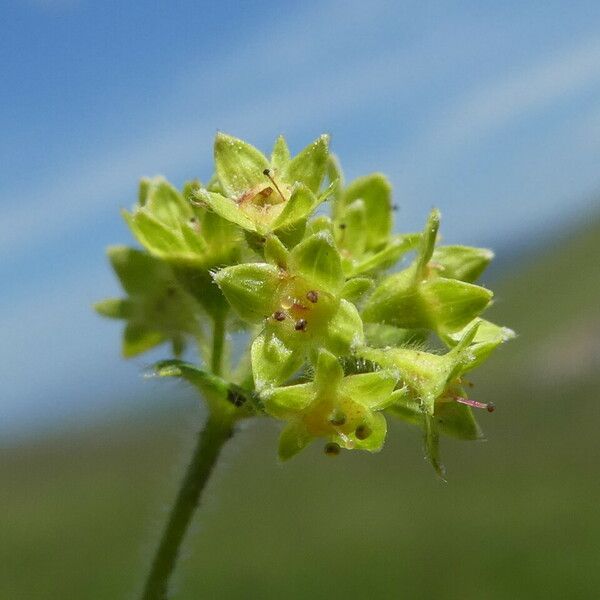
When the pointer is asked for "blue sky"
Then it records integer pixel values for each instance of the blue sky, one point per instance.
(490, 111)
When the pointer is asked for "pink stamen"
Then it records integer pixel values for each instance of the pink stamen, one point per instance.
(490, 407)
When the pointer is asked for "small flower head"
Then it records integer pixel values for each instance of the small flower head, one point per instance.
(342, 410)
(336, 340)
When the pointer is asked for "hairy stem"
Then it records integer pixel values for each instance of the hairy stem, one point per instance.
(216, 432)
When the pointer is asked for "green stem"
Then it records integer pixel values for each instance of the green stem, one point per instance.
(218, 346)
(216, 432)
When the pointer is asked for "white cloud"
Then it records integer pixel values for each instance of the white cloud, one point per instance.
(496, 104)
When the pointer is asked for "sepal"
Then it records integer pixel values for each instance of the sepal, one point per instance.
(308, 167)
(317, 260)
(461, 262)
(239, 165)
(250, 288)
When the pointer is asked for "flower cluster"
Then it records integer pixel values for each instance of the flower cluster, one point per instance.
(347, 322)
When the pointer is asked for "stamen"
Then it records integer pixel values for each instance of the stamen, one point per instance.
(337, 417)
(313, 296)
(489, 406)
(267, 173)
(279, 315)
(363, 431)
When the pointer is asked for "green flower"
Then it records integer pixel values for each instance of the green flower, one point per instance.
(247, 252)
(191, 239)
(345, 411)
(297, 296)
(166, 223)
(432, 295)
(261, 196)
(156, 309)
(431, 393)
(362, 224)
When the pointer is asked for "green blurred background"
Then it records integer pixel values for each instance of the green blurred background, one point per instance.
(488, 110)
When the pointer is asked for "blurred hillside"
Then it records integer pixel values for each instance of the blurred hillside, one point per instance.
(518, 519)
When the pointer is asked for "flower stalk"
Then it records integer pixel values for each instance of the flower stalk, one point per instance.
(215, 434)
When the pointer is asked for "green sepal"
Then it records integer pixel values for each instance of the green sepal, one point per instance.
(387, 257)
(226, 208)
(456, 420)
(138, 338)
(345, 330)
(189, 189)
(319, 224)
(143, 188)
(372, 390)
(285, 402)
(432, 446)
(294, 438)
(115, 308)
(453, 304)
(318, 261)
(428, 241)
(302, 203)
(376, 192)
(351, 235)
(406, 406)
(461, 262)
(309, 165)
(280, 157)
(239, 165)
(488, 337)
(137, 271)
(335, 174)
(250, 289)
(354, 289)
(329, 372)
(222, 239)
(166, 203)
(275, 252)
(274, 360)
(439, 304)
(157, 309)
(153, 234)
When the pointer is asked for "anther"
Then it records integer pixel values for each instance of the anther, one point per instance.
(342, 225)
(332, 449)
(279, 315)
(491, 407)
(313, 296)
(267, 173)
(300, 325)
(363, 431)
(337, 417)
